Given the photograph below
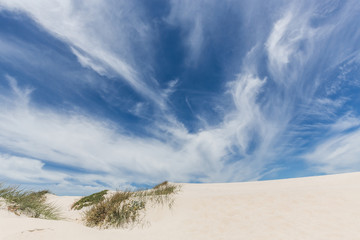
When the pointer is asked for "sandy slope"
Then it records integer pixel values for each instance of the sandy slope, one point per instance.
(323, 208)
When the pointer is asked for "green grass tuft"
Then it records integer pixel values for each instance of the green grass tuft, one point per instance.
(89, 200)
(32, 204)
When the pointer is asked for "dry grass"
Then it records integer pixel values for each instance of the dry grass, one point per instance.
(125, 209)
(32, 204)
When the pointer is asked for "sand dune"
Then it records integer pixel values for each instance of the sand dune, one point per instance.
(326, 207)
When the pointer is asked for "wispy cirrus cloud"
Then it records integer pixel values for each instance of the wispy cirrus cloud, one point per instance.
(190, 18)
(339, 153)
(108, 50)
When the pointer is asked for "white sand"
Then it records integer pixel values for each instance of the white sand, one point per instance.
(322, 208)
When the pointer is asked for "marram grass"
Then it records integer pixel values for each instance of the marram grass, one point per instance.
(125, 209)
(89, 200)
(32, 204)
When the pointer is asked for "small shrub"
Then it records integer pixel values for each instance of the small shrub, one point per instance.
(89, 200)
(32, 204)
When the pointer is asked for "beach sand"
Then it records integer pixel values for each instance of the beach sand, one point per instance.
(322, 208)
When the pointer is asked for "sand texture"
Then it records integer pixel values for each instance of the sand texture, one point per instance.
(322, 208)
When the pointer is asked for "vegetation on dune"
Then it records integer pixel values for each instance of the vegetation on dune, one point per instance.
(32, 204)
(160, 185)
(164, 188)
(124, 209)
(105, 210)
(89, 200)
(119, 210)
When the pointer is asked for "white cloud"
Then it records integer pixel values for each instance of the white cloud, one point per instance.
(86, 61)
(339, 153)
(279, 52)
(346, 122)
(195, 40)
(248, 115)
(27, 170)
(193, 18)
(289, 35)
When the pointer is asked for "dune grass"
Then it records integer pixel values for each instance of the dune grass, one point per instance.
(32, 204)
(89, 200)
(125, 209)
(119, 210)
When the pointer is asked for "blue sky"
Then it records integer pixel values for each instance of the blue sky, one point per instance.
(114, 94)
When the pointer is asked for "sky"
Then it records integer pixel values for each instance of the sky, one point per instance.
(118, 94)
